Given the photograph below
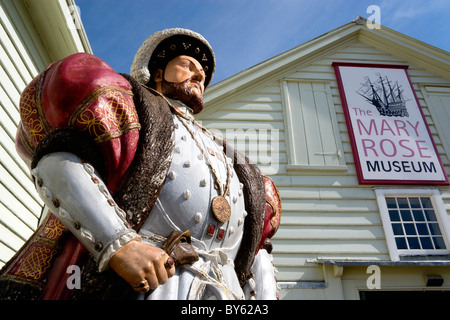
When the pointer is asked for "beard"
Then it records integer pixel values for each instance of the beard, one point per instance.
(182, 92)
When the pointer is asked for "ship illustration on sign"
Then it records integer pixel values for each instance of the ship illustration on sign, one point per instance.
(385, 96)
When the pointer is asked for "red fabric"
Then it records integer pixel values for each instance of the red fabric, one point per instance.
(84, 92)
(67, 84)
(69, 81)
(73, 253)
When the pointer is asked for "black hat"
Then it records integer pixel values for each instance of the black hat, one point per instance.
(162, 46)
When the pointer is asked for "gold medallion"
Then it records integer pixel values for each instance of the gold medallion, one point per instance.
(221, 209)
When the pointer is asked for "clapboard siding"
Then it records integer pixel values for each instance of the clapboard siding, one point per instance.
(23, 54)
(325, 214)
(438, 97)
(20, 207)
(21, 40)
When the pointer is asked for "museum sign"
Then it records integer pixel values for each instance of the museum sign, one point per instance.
(390, 138)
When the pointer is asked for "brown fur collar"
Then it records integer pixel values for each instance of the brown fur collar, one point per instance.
(148, 172)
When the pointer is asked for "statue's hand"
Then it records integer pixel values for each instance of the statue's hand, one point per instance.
(142, 265)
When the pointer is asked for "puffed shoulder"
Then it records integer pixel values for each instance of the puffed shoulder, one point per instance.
(68, 82)
(80, 92)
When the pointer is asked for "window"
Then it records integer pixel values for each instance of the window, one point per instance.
(313, 136)
(437, 99)
(415, 222)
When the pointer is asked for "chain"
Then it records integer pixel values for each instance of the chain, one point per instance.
(216, 177)
(180, 115)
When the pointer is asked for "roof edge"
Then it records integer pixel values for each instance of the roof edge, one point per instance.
(425, 54)
(253, 73)
(59, 26)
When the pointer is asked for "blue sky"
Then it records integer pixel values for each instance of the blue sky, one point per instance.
(244, 33)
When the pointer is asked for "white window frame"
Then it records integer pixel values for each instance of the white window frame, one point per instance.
(441, 215)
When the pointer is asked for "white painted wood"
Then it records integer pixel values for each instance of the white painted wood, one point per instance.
(23, 54)
(326, 214)
(438, 99)
(12, 42)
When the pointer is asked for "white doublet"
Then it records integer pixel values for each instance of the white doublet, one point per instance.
(74, 192)
(185, 204)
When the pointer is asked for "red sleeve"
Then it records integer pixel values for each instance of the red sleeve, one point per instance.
(83, 92)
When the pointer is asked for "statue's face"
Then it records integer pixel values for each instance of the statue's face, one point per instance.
(184, 80)
(184, 68)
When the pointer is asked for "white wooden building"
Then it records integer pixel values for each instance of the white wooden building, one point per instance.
(336, 240)
(33, 34)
